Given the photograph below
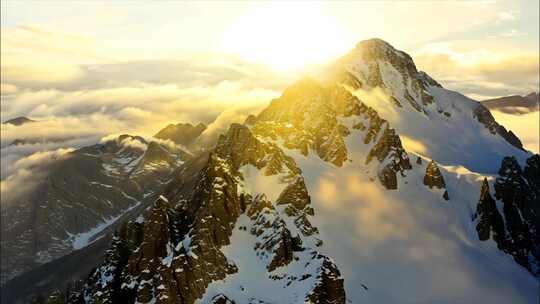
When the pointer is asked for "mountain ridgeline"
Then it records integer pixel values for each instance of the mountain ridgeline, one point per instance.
(261, 216)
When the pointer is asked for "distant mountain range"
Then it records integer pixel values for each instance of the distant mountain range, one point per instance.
(18, 121)
(370, 183)
(514, 104)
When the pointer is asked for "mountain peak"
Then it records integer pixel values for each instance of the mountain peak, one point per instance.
(374, 43)
(533, 96)
(18, 121)
(378, 48)
(376, 63)
(181, 133)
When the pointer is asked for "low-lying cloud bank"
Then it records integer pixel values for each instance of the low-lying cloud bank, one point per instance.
(480, 70)
(138, 98)
(25, 173)
(525, 126)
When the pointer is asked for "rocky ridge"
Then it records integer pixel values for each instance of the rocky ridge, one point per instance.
(515, 229)
(175, 252)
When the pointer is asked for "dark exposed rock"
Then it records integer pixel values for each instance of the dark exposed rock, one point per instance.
(250, 120)
(489, 221)
(295, 194)
(519, 234)
(182, 133)
(419, 160)
(521, 210)
(389, 147)
(484, 116)
(532, 173)
(222, 299)
(174, 254)
(18, 121)
(446, 196)
(329, 288)
(388, 177)
(433, 176)
(307, 116)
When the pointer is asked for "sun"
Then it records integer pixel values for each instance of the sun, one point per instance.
(286, 36)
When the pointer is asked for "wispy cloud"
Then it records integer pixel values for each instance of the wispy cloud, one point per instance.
(513, 33)
(26, 173)
(481, 69)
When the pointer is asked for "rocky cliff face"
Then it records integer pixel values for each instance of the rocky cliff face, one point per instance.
(184, 134)
(176, 251)
(311, 117)
(484, 116)
(515, 229)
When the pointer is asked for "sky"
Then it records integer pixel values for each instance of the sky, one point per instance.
(88, 69)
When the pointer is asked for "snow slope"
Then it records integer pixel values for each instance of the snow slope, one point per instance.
(431, 120)
(409, 245)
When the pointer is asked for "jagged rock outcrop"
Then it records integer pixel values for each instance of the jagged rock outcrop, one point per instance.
(329, 287)
(519, 194)
(222, 299)
(389, 149)
(483, 115)
(308, 117)
(490, 223)
(518, 234)
(433, 176)
(175, 252)
(182, 134)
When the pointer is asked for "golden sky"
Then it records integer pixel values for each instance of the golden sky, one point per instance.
(476, 39)
(134, 65)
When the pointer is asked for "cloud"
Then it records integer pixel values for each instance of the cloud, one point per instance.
(525, 126)
(513, 33)
(221, 124)
(12, 154)
(507, 16)
(480, 69)
(80, 93)
(26, 173)
(8, 89)
(142, 110)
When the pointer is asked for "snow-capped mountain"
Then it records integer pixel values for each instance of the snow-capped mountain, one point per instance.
(368, 184)
(84, 193)
(514, 104)
(184, 134)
